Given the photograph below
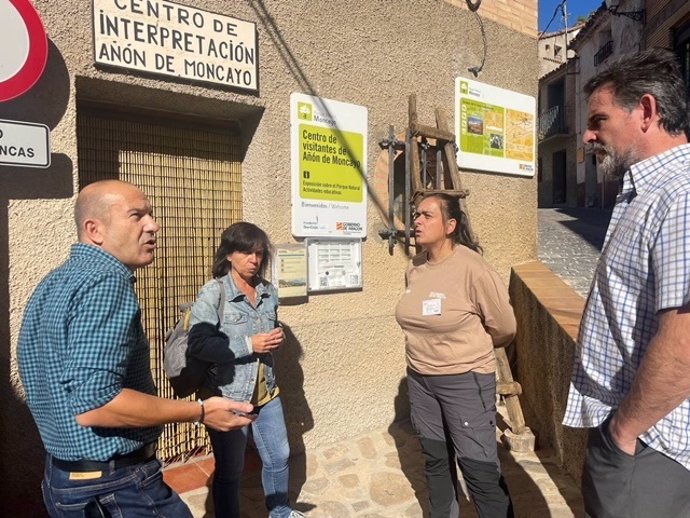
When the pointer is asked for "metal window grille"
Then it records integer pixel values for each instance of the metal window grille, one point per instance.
(604, 52)
(192, 175)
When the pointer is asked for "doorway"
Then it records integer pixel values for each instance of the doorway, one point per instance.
(559, 177)
(191, 172)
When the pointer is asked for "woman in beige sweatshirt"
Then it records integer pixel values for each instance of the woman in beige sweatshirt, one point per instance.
(453, 313)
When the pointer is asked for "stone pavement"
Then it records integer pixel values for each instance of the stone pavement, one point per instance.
(570, 241)
(380, 475)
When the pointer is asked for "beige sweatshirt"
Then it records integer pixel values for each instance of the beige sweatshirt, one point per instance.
(453, 314)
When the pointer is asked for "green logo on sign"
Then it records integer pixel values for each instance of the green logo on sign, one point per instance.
(464, 88)
(304, 111)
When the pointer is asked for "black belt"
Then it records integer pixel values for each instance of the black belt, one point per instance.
(139, 456)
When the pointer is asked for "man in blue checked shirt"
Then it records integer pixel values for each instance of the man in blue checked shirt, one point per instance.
(631, 379)
(84, 362)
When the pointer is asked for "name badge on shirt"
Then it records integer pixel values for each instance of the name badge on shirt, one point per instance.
(431, 307)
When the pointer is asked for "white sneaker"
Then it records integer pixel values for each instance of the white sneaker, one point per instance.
(296, 514)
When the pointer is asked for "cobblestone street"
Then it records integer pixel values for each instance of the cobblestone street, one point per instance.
(570, 241)
(381, 475)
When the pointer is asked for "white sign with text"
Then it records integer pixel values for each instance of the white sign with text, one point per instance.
(334, 264)
(495, 129)
(329, 163)
(163, 37)
(24, 144)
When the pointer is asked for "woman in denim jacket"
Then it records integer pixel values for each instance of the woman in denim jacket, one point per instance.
(240, 346)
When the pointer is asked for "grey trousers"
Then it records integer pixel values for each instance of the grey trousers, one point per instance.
(459, 410)
(618, 485)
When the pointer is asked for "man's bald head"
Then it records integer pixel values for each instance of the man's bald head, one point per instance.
(117, 217)
(96, 200)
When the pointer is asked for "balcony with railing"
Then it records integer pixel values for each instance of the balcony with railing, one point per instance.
(552, 122)
(604, 51)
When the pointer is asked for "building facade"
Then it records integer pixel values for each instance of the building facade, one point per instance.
(569, 173)
(211, 145)
(607, 35)
(557, 141)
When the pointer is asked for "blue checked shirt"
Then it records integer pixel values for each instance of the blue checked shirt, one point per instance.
(80, 344)
(644, 268)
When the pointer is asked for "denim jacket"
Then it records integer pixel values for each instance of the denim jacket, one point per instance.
(237, 363)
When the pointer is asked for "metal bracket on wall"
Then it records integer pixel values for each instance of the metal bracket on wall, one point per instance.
(636, 16)
(430, 166)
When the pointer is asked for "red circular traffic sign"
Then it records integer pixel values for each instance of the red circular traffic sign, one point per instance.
(26, 48)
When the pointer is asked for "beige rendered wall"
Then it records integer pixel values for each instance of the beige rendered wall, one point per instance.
(350, 350)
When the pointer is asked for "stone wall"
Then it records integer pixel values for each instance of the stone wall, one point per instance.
(548, 313)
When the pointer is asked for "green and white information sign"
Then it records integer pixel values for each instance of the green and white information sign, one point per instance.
(329, 164)
(494, 128)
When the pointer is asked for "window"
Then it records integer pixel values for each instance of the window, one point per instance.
(604, 36)
(558, 171)
(605, 47)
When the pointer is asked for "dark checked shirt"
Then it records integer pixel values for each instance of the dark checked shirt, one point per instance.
(80, 344)
(644, 268)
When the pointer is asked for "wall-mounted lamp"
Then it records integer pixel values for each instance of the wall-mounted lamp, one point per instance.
(637, 16)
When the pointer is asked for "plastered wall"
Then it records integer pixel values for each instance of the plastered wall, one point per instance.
(343, 365)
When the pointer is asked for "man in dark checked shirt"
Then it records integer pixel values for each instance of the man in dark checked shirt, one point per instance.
(84, 362)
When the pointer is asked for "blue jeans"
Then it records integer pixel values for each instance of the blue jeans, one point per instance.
(270, 436)
(132, 492)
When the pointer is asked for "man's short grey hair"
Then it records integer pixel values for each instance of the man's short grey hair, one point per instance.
(654, 71)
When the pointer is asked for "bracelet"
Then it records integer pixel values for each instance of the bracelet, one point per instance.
(200, 421)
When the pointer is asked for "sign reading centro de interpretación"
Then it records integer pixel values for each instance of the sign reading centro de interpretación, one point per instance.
(329, 163)
(163, 37)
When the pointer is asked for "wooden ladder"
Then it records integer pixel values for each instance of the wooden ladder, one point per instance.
(445, 177)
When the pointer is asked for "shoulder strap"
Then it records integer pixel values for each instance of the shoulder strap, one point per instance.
(221, 302)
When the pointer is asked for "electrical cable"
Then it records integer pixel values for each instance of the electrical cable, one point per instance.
(555, 12)
(476, 70)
